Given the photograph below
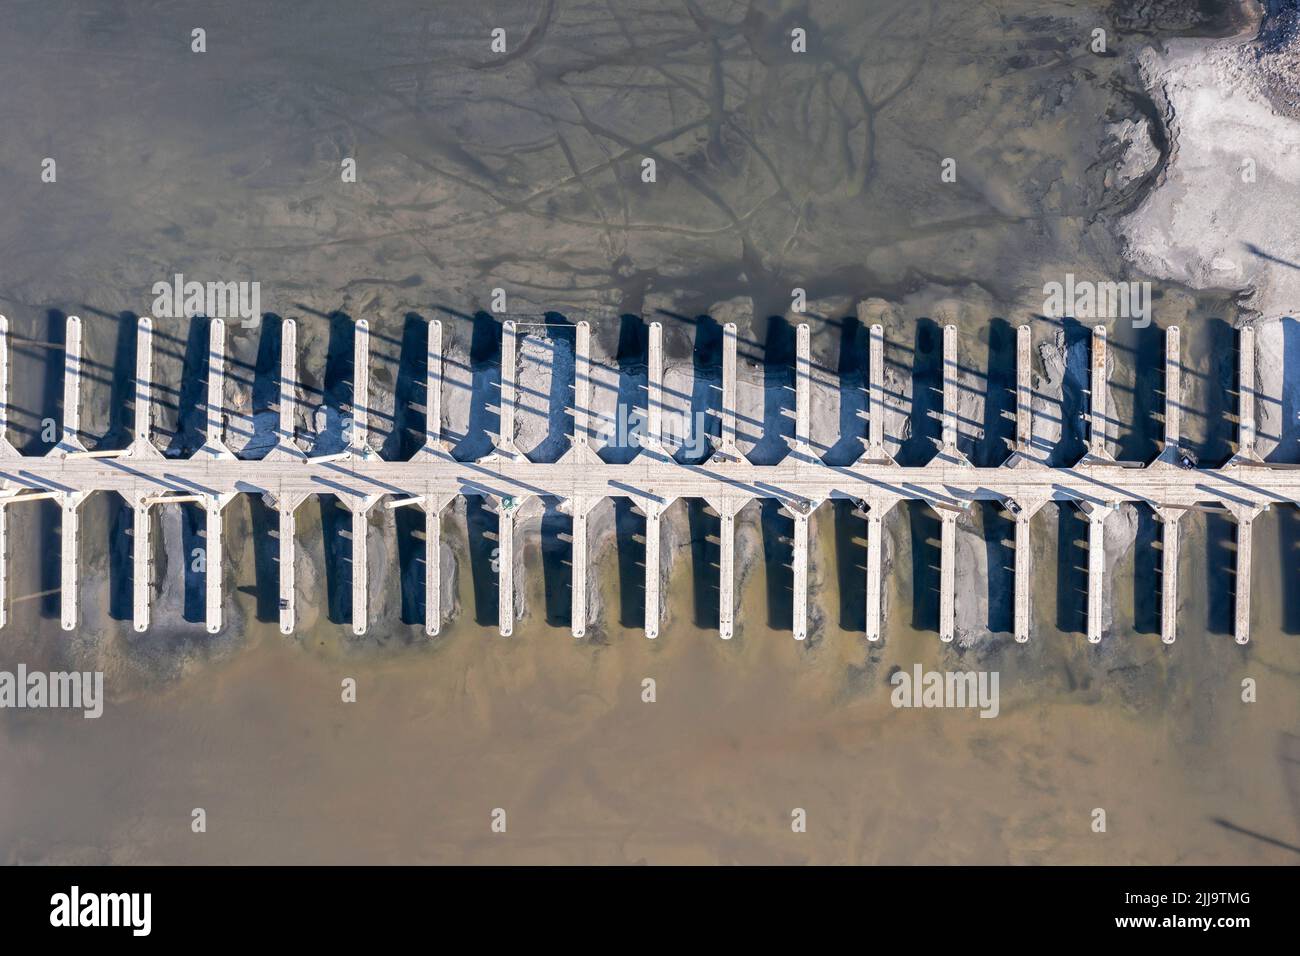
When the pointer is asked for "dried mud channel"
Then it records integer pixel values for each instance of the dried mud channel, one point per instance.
(775, 172)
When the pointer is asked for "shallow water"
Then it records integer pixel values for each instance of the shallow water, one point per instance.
(810, 173)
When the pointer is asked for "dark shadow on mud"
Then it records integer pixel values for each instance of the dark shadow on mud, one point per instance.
(409, 394)
(481, 531)
(194, 541)
(927, 402)
(120, 527)
(485, 383)
(925, 529)
(1287, 517)
(706, 550)
(561, 336)
(629, 415)
(409, 523)
(266, 395)
(1214, 446)
(192, 397)
(706, 395)
(1220, 567)
(999, 402)
(851, 373)
(1140, 435)
(121, 394)
(336, 534)
(1072, 444)
(778, 556)
(1288, 445)
(28, 433)
(557, 563)
(336, 388)
(1148, 581)
(851, 564)
(265, 522)
(777, 428)
(1071, 569)
(1000, 548)
(630, 536)
(49, 536)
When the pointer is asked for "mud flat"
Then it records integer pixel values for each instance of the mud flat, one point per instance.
(1233, 129)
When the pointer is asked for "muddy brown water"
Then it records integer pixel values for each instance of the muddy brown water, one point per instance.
(251, 727)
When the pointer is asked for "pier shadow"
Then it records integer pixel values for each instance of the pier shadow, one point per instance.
(265, 522)
(409, 523)
(1141, 433)
(331, 421)
(1214, 447)
(561, 340)
(192, 396)
(851, 530)
(25, 431)
(778, 556)
(1288, 443)
(853, 398)
(777, 429)
(409, 392)
(49, 535)
(1148, 581)
(194, 540)
(336, 536)
(266, 393)
(1072, 444)
(999, 402)
(706, 552)
(557, 563)
(120, 544)
(481, 531)
(633, 378)
(1221, 579)
(1287, 517)
(1000, 548)
(706, 395)
(630, 540)
(1071, 569)
(925, 526)
(121, 392)
(485, 386)
(927, 400)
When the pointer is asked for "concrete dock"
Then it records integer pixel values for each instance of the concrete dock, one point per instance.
(947, 575)
(728, 481)
(876, 511)
(653, 614)
(1096, 514)
(727, 451)
(1097, 447)
(876, 453)
(802, 447)
(950, 450)
(505, 558)
(1024, 391)
(653, 442)
(508, 396)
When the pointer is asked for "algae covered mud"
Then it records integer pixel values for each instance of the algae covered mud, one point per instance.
(824, 171)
